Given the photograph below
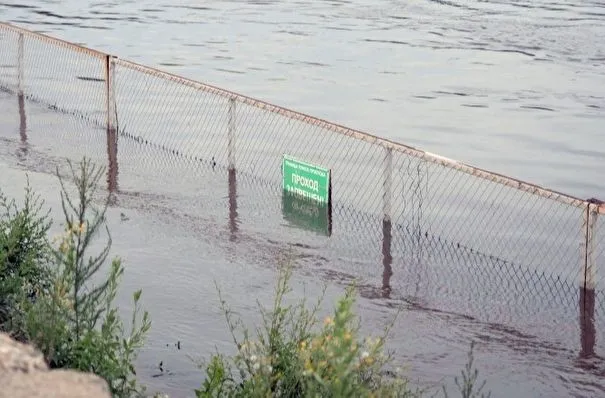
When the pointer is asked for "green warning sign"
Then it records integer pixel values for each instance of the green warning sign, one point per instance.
(306, 195)
(306, 180)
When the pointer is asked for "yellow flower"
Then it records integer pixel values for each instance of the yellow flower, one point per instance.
(308, 366)
(303, 345)
(347, 336)
(328, 321)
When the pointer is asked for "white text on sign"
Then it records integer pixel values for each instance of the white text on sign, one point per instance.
(305, 182)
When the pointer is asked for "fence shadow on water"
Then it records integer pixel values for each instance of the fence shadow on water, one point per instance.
(409, 225)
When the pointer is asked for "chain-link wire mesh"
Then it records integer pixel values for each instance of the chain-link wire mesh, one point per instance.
(379, 188)
(504, 222)
(170, 115)
(63, 76)
(9, 59)
(371, 178)
(392, 261)
(41, 138)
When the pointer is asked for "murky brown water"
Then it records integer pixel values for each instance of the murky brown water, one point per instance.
(515, 87)
(181, 236)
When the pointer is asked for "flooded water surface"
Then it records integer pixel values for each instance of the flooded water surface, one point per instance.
(512, 86)
(516, 87)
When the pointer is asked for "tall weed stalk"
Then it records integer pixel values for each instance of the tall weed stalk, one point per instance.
(295, 354)
(74, 321)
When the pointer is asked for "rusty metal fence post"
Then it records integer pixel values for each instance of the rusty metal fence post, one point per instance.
(591, 215)
(110, 92)
(20, 64)
(231, 135)
(112, 125)
(387, 216)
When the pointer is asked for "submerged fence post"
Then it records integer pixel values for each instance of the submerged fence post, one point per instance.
(20, 84)
(590, 221)
(110, 92)
(232, 176)
(112, 136)
(387, 194)
(588, 330)
(233, 222)
(387, 259)
(231, 135)
(22, 121)
(20, 64)
(387, 185)
(587, 288)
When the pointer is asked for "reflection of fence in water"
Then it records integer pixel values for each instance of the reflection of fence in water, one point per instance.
(412, 192)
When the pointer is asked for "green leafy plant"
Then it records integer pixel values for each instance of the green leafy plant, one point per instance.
(294, 354)
(468, 386)
(74, 321)
(24, 255)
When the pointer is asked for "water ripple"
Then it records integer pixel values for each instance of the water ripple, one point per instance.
(513, 84)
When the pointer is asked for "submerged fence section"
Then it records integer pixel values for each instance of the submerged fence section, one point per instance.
(61, 75)
(413, 193)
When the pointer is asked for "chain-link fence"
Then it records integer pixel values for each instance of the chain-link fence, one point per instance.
(379, 188)
(61, 75)
(418, 193)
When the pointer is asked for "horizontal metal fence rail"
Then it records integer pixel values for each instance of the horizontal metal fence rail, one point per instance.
(359, 135)
(413, 191)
